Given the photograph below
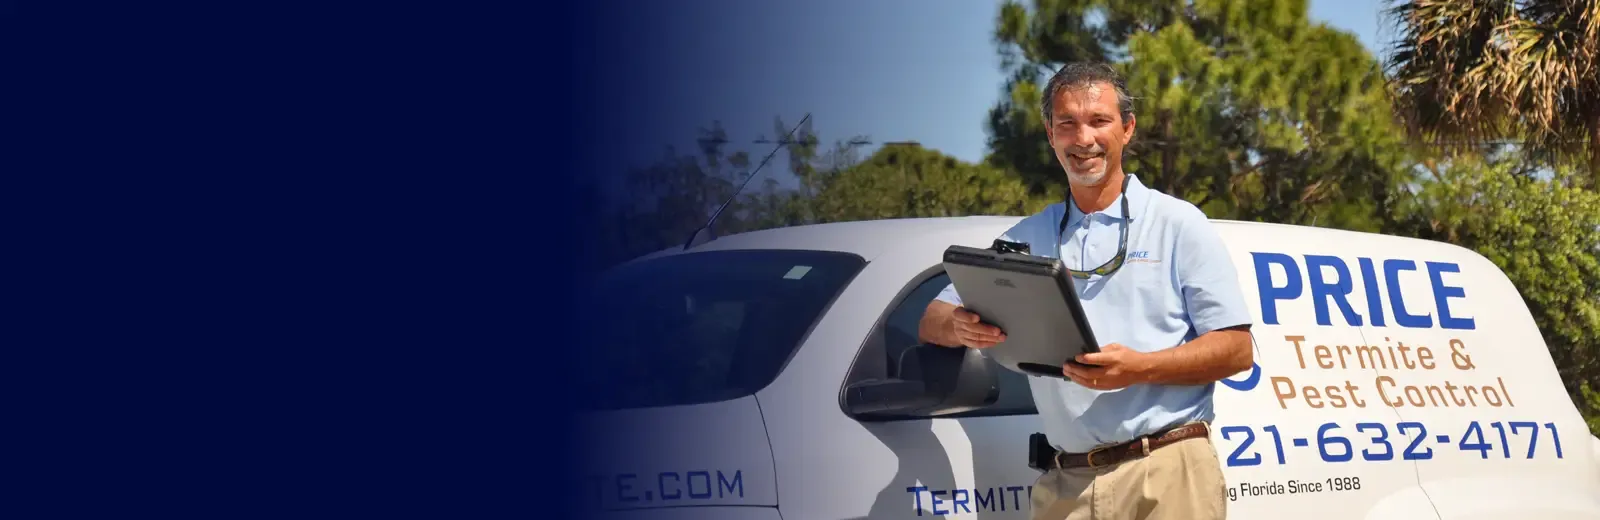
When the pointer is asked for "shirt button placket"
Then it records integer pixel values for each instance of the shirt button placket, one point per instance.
(1088, 248)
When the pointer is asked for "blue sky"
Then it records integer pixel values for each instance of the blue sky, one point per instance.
(892, 70)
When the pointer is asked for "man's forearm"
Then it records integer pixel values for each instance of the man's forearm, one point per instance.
(1209, 358)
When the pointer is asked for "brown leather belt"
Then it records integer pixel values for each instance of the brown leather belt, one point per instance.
(1140, 447)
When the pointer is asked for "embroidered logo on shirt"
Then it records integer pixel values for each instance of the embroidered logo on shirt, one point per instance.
(1142, 257)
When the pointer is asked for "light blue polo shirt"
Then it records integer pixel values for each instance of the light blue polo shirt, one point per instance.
(1176, 284)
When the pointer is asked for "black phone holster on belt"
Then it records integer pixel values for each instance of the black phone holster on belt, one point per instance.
(1040, 453)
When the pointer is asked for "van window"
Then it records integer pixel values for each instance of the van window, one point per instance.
(901, 333)
(703, 327)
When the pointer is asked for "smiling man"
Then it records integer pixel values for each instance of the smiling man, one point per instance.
(1132, 431)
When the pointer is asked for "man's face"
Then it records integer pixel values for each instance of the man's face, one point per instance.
(1087, 132)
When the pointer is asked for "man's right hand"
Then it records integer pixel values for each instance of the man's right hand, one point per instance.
(972, 332)
(947, 325)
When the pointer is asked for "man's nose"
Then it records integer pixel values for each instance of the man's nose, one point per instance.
(1083, 136)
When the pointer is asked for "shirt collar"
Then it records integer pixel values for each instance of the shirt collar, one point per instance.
(1138, 196)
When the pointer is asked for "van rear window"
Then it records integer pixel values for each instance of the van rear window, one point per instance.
(702, 327)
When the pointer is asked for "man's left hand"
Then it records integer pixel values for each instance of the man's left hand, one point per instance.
(1114, 367)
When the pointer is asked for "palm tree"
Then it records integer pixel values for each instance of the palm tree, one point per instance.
(1470, 73)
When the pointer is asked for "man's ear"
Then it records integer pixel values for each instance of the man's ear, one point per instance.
(1127, 129)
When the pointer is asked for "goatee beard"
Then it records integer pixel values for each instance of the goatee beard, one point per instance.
(1086, 179)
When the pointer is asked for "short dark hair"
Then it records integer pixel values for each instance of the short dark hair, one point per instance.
(1082, 74)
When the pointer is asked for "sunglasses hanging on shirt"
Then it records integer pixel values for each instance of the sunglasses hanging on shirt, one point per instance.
(1115, 263)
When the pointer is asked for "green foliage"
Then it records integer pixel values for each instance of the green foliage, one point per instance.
(1242, 107)
(661, 205)
(1591, 401)
(911, 181)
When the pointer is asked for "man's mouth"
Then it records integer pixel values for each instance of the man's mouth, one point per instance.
(1086, 160)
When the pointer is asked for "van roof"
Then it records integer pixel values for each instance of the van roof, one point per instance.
(867, 238)
(870, 238)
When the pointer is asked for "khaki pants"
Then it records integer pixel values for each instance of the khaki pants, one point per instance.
(1182, 480)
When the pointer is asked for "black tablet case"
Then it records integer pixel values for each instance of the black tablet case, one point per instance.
(1032, 299)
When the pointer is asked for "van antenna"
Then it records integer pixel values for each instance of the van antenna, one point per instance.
(704, 234)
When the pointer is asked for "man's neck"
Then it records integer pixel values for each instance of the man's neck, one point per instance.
(1090, 199)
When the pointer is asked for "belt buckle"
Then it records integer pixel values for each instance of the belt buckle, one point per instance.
(1089, 458)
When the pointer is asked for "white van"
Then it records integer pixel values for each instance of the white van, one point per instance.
(775, 374)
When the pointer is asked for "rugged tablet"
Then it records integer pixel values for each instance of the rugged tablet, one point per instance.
(1031, 298)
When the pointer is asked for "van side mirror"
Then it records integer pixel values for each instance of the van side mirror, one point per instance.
(932, 380)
